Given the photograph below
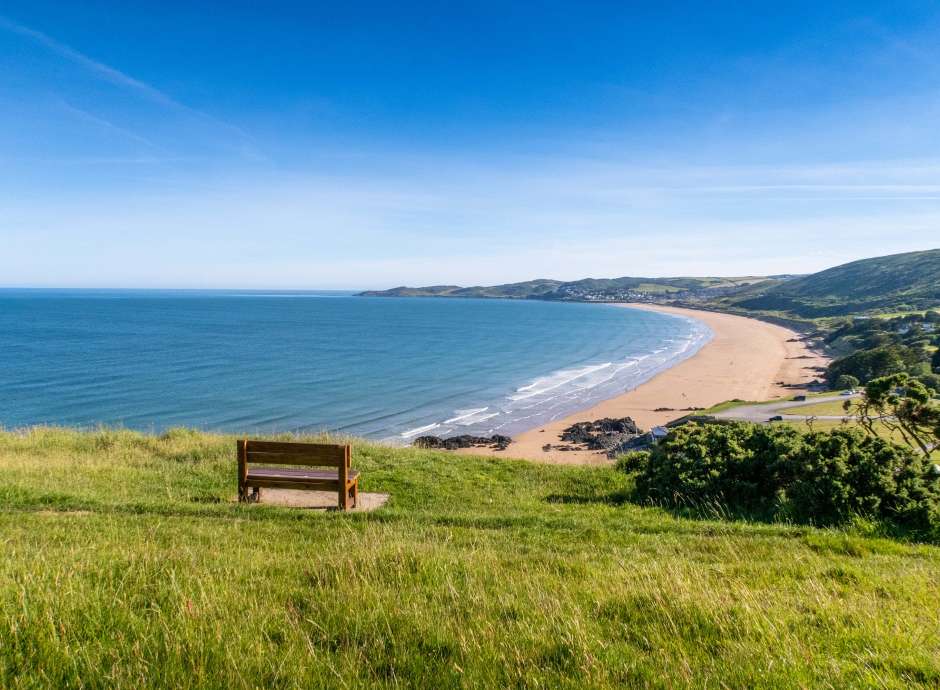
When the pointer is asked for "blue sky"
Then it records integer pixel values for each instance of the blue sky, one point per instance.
(358, 145)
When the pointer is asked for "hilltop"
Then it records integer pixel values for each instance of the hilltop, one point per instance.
(126, 564)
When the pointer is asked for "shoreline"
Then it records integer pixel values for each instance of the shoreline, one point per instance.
(746, 358)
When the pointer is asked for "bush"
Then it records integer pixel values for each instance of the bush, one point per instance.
(931, 382)
(839, 475)
(634, 461)
(846, 381)
(702, 464)
(772, 473)
(868, 364)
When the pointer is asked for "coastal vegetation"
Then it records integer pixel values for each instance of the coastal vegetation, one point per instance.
(876, 347)
(903, 405)
(127, 563)
(776, 473)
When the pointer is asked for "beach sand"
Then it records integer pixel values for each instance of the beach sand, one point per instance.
(746, 359)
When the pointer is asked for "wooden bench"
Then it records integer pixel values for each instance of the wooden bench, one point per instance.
(302, 456)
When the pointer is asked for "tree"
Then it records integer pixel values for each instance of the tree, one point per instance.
(931, 381)
(935, 361)
(866, 365)
(904, 406)
(846, 381)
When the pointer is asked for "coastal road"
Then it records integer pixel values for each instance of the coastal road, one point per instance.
(763, 413)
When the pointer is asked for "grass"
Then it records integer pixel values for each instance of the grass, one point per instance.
(830, 409)
(125, 564)
(731, 404)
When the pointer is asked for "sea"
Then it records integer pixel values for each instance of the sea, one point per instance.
(385, 368)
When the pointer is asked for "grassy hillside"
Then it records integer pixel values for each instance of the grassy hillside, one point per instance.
(599, 289)
(901, 283)
(531, 289)
(897, 283)
(126, 565)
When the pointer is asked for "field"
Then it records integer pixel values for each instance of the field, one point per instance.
(126, 564)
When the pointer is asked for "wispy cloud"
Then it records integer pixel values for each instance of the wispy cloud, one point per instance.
(101, 122)
(124, 81)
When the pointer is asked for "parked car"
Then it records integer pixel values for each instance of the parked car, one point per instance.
(776, 418)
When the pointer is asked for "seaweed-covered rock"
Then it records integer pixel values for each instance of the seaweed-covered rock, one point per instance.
(602, 434)
(497, 442)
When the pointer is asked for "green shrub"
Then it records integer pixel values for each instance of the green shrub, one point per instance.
(838, 475)
(772, 473)
(846, 381)
(733, 464)
(634, 461)
(931, 382)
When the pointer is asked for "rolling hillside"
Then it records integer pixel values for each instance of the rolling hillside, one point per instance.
(587, 289)
(900, 282)
(896, 283)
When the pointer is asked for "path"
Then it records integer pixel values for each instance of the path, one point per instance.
(763, 412)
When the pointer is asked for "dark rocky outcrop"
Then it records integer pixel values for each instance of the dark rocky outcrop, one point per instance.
(497, 442)
(601, 434)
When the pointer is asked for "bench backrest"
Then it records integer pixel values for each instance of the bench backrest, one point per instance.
(282, 453)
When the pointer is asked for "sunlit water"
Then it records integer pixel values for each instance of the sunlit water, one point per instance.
(378, 367)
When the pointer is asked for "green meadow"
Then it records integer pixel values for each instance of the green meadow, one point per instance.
(126, 564)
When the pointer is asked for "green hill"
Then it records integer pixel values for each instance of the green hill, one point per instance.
(127, 565)
(530, 289)
(900, 282)
(586, 289)
(896, 283)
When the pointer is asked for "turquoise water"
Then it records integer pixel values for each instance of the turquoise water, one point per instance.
(385, 368)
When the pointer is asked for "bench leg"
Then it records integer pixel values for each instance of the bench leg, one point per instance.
(256, 495)
(242, 494)
(343, 498)
(356, 494)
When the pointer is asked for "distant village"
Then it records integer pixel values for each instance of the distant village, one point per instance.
(580, 294)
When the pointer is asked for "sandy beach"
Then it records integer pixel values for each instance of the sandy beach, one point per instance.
(746, 359)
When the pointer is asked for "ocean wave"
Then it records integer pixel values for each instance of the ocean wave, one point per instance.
(561, 392)
(420, 430)
(466, 416)
(556, 380)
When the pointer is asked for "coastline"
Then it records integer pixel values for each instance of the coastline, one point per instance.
(745, 358)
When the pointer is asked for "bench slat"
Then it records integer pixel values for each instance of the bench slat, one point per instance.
(322, 485)
(291, 447)
(309, 459)
(291, 473)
